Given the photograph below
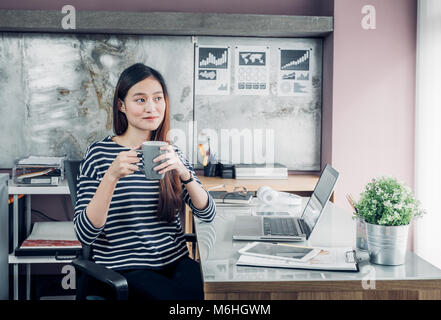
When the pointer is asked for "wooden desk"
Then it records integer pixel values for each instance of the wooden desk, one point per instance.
(302, 185)
(416, 279)
(325, 290)
(294, 183)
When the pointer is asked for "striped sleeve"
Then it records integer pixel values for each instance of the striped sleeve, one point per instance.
(87, 185)
(207, 214)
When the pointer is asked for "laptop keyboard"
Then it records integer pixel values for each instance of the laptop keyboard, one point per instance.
(279, 226)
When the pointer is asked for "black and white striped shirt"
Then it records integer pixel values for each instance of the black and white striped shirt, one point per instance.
(132, 237)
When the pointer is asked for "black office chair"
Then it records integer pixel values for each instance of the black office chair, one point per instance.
(113, 284)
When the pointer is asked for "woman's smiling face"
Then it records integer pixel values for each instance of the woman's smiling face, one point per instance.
(144, 105)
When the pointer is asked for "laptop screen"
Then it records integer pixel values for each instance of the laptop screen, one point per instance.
(325, 185)
(322, 193)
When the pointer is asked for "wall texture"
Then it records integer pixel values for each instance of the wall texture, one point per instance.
(264, 128)
(60, 89)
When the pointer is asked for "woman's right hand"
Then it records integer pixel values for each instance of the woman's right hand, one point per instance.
(124, 164)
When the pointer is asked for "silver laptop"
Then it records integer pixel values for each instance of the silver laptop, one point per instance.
(261, 228)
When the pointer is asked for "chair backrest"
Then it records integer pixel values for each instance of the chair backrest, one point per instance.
(72, 167)
(71, 170)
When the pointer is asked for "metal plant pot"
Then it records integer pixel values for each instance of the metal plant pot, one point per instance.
(387, 245)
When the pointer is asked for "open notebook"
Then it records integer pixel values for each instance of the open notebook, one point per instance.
(330, 259)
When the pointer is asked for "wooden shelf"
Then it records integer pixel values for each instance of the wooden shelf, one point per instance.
(12, 259)
(62, 188)
(169, 23)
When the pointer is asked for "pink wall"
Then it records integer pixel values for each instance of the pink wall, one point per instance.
(280, 7)
(373, 94)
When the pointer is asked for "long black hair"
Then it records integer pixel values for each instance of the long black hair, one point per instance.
(170, 202)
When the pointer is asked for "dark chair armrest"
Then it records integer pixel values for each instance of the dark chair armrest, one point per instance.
(190, 237)
(112, 278)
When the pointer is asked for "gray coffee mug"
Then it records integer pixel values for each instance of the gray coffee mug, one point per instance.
(150, 150)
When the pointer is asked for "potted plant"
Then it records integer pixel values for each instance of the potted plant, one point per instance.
(387, 207)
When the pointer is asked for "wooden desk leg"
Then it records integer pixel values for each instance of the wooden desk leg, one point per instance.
(189, 228)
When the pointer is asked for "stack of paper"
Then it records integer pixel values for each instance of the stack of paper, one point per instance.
(332, 259)
(261, 171)
(46, 161)
(38, 171)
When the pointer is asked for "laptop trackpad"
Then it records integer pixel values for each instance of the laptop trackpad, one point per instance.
(248, 226)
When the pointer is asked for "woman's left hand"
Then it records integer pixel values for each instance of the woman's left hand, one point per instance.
(173, 162)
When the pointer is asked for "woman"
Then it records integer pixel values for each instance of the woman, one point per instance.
(132, 223)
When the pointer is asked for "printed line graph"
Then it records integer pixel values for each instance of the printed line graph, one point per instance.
(294, 60)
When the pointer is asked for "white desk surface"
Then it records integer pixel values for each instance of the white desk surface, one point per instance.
(218, 252)
(62, 188)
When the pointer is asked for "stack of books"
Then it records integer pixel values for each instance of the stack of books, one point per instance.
(261, 171)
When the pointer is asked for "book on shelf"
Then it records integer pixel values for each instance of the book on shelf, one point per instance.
(50, 238)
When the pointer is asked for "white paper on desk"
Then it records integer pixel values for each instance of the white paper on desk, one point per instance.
(332, 259)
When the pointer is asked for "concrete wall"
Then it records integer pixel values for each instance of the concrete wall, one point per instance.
(279, 7)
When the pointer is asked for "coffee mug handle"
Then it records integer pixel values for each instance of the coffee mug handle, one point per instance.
(142, 156)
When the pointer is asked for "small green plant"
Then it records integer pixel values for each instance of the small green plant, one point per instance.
(387, 202)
